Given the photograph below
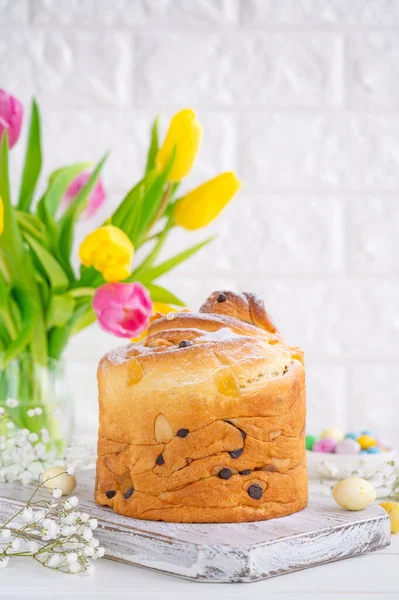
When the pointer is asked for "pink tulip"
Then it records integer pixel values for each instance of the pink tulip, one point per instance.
(11, 113)
(96, 198)
(123, 309)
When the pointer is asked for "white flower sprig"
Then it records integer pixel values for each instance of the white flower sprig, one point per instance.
(63, 537)
(23, 453)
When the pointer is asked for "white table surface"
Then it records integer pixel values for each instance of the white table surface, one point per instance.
(372, 576)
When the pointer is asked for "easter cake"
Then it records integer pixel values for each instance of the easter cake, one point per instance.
(203, 420)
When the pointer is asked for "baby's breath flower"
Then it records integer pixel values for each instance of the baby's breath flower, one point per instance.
(93, 523)
(27, 515)
(33, 547)
(71, 557)
(31, 412)
(2, 411)
(10, 425)
(3, 561)
(75, 567)
(70, 470)
(87, 534)
(84, 517)
(57, 493)
(38, 411)
(94, 543)
(54, 560)
(100, 552)
(5, 534)
(15, 544)
(12, 403)
(73, 501)
(33, 437)
(88, 551)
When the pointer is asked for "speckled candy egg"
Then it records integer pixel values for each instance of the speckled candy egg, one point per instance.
(332, 433)
(348, 446)
(354, 493)
(55, 477)
(325, 445)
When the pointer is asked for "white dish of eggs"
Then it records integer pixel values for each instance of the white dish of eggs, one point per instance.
(325, 470)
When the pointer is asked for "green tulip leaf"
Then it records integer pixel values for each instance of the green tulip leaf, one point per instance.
(60, 310)
(28, 315)
(155, 272)
(59, 182)
(32, 225)
(153, 149)
(82, 318)
(57, 277)
(69, 218)
(160, 294)
(33, 161)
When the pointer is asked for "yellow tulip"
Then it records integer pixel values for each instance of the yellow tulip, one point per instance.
(1, 215)
(108, 250)
(392, 508)
(203, 204)
(184, 134)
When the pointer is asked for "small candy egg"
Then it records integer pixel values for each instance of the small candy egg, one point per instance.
(332, 433)
(383, 443)
(354, 493)
(55, 477)
(351, 436)
(373, 450)
(363, 452)
(366, 441)
(348, 446)
(392, 508)
(310, 440)
(325, 445)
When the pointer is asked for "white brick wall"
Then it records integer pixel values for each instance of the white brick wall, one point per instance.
(301, 97)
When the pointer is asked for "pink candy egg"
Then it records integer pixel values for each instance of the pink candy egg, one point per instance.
(325, 445)
(348, 446)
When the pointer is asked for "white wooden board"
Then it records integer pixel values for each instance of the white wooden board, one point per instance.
(229, 552)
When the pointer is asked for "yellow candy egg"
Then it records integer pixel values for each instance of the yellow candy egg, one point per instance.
(392, 508)
(366, 441)
(354, 493)
(55, 477)
(333, 433)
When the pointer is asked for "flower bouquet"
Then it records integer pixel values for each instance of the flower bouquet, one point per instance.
(43, 299)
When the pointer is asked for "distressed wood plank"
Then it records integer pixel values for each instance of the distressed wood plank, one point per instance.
(222, 552)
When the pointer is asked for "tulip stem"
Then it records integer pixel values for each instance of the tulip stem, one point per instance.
(148, 262)
(163, 205)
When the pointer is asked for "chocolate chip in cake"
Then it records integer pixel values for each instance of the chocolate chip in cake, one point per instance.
(255, 491)
(185, 343)
(160, 460)
(246, 472)
(236, 453)
(110, 494)
(182, 433)
(221, 298)
(129, 493)
(224, 474)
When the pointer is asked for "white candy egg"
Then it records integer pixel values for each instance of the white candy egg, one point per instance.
(333, 433)
(354, 493)
(55, 477)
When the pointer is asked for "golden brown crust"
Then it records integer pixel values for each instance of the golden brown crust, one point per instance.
(203, 420)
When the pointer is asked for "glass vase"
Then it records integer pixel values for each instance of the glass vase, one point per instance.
(36, 397)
